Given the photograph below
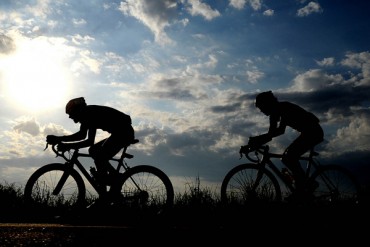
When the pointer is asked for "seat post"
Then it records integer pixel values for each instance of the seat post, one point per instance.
(123, 152)
(310, 160)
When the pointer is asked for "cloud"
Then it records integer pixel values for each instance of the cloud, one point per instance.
(311, 7)
(79, 22)
(28, 126)
(240, 4)
(336, 94)
(355, 134)
(268, 12)
(360, 61)
(156, 15)
(41, 9)
(79, 40)
(255, 4)
(192, 103)
(314, 79)
(22, 140)
(328, 61)
(254, 76)
(7, 44)
(202, 9)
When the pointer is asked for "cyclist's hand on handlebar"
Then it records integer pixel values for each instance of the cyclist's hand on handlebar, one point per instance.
(52, 139)
(244, 150)
(62, 147)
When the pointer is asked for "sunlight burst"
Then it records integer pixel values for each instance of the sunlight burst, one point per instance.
(35, 78)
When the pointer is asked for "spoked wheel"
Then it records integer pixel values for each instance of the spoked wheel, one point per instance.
(55, 186)
(147, 187)
(335, 186)
(249, 183)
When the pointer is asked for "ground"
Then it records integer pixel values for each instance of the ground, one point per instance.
(266, 224)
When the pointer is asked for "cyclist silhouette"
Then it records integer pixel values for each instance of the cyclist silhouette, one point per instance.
(283, 114)
(93, 117)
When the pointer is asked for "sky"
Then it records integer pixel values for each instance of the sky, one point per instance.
(187, 72)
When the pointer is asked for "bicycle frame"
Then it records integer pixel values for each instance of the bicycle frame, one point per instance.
(262, 181)
(266, 160)
(74, 161)
(65, 182)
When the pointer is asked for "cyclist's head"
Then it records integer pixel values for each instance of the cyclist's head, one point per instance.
(265, 101)
(75, 105)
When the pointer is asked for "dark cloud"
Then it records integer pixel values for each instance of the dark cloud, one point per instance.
(178, 94)
(194, 160)
(338, 98)
(226, 108)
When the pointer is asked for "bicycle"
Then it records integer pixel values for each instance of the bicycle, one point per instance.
(259, 181)
(61, 185)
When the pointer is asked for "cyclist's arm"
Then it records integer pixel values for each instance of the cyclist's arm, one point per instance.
(276, 129)
(80, 136)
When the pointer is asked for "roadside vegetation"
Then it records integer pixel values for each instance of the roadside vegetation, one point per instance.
(197, 206)
(195, 202)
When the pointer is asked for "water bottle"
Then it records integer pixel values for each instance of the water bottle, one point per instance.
(93, 172)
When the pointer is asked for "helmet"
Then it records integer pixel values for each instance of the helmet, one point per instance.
(75, 104)
(265, 98)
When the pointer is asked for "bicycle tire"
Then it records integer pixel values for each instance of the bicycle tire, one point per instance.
(236, 187)
(152, 188)
(336, 186)
(41, 184)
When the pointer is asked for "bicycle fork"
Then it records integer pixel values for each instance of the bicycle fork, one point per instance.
(252, 188)
(63, 179)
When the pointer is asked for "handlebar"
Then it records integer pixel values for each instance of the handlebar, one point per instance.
(55, 150)
(247, 150)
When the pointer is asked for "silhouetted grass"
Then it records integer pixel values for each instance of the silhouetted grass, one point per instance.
(197, 206)
(194, 203)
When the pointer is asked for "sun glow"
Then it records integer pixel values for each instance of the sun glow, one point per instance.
(35, 78)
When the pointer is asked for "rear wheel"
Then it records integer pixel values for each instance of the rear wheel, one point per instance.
(147, 187)
(335, 185)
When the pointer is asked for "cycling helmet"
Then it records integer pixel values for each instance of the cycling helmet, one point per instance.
(265, 99)
(75, 104)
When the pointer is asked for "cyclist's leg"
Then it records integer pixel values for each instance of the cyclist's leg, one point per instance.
(301, 145)
(96, 153)
(291, 160)
(106, 149)
(101, 152)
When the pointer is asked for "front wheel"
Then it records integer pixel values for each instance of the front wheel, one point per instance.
(55, 186)
(335, 185)
(147, 186)
(248, 184)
